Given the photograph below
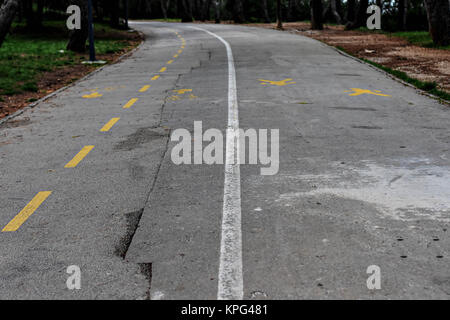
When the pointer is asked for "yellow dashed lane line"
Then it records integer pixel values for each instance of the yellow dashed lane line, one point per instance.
(37, 201)
(144, 88)
(109, 125)
(79, 157)
(26, 212)
(130, 103)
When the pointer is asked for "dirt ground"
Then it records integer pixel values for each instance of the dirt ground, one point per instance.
(49, 82)
(424, 64)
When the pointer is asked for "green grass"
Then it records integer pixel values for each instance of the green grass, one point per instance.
(418, 38)
(430, 87)
(25, 55)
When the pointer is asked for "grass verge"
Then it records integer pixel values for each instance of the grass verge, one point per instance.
(26, 55)
(418, 38)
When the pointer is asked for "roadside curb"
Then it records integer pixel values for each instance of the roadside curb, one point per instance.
(54, 93)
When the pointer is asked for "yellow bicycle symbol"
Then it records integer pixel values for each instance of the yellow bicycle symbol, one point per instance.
(281, 83)
(358, 92)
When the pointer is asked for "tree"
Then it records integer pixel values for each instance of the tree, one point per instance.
(402, 14)
(316, 14)
(218, 5)
(8, 11)
(351, 5)
(114, 13)
(204, 9)
(185, 10)
(361, 16)
(165, 4)
(265, 11)
(77, 38)
(279, 23)
(438, 21)
(238, 10)
(333, 6)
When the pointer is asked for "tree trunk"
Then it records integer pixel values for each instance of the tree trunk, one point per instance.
(8, 11)
(402, 13)
(361, 16)
(114, 13)
(185, 10)
(204, 10)
(336, 15)
(98, 7)
(316, 14)
(165, 7)
(351, 5)
(279, 22)
(208, 9)
(34, 19)
(439, 21)
(238, 11)
(218, 4)
(290, 13)
(77, 38)
(265, 11)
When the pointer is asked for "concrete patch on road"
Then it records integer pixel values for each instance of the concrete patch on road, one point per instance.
(404, 192)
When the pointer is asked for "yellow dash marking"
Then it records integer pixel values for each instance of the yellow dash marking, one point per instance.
(182, 91)
(93, 95)
(163, 69)
(79, 157)
(26, 212)
(180, 51)
(130, 103)
(175, 56)
(145, 88)
(155, 78)
(182, 47)
(170, 62)
(109, 125)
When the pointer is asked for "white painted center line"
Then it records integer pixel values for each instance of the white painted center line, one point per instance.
(231, 285)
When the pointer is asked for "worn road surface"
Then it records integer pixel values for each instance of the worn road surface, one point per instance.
(87, 178)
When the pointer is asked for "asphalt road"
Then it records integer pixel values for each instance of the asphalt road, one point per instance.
(363, 178)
